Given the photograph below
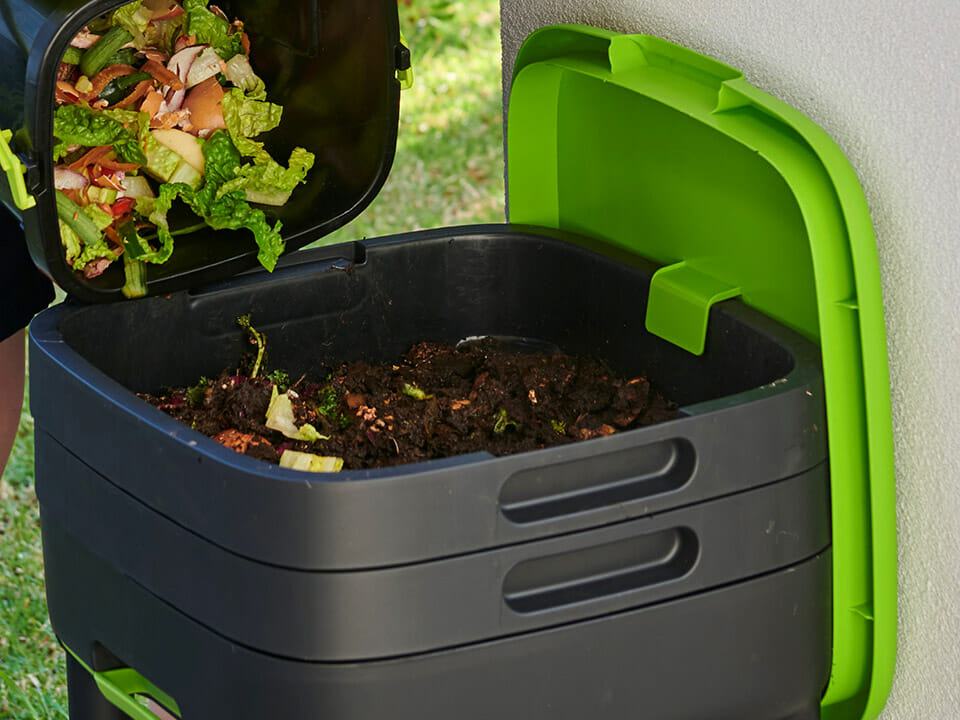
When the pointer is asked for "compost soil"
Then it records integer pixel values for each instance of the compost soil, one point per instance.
(437, 401)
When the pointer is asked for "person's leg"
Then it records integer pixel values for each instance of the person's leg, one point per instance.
(11, 392)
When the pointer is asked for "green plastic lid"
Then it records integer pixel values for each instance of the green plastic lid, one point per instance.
(676, 157)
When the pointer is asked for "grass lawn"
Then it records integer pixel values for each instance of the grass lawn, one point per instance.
(448, 171)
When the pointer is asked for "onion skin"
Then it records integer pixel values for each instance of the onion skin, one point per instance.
(64, 179)
(179, 64)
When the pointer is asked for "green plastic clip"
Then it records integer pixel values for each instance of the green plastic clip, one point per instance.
(679, 305)
(405, 76)
(120, 687)
(15, 170)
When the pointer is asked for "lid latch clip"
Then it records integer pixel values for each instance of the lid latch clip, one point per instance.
(404, 62)
(15, 171)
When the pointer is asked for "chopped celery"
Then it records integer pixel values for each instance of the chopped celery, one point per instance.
(135, 273)
(309, 462)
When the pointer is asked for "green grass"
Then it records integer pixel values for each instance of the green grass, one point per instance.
(449, 164)
(448, 171)
(32, 683)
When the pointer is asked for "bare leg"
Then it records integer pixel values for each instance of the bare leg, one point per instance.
(11, 392)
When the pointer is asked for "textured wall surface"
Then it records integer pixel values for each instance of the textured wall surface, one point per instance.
(883, 78)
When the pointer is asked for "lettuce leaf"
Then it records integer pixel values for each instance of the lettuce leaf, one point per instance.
(210, 29)
(241, 74)
(126, 117)
(230, 210)
(222, 211)
(78, 125)
(155, 210)
(270, 183)
(280, 417)
(163, 34)
(134, 19)
(94, 250)
(265, 181)
(60, 150)
(72, 244)
(246, 117)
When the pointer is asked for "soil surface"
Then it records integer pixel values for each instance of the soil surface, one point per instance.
(437, 401)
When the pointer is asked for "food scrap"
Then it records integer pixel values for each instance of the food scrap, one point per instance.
(158, 102)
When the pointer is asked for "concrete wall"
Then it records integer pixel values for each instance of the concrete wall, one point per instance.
(883, 78)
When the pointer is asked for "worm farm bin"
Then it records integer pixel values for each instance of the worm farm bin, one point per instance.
(683, 570)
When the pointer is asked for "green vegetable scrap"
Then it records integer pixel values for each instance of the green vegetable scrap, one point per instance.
(279, 378)
(559, 427)
(230, 210)
(280, 417)
(415, 392)
(72, 55)
(329, 407)
(135, 278)
(211, 30)
(328, 401)
(118, 88)
(501, 423)
(247, 117)
(155, 210)
(85, 241)
(268, 182)
(196, 393)
(309, 462)
(256, 338)
(132, 125)
(79, 125)
(95, 57)
(134, 19)
(240, 73)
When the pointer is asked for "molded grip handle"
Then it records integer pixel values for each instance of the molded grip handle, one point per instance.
(602, 571)
(594, 482)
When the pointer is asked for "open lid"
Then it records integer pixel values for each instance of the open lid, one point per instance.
(676, 157)
(332, 65)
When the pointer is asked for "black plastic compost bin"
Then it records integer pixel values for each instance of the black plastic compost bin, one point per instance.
(676, 571)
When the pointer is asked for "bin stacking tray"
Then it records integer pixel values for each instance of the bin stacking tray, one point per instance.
(682, 568)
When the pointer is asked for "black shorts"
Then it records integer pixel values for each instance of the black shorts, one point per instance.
(24, 290)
